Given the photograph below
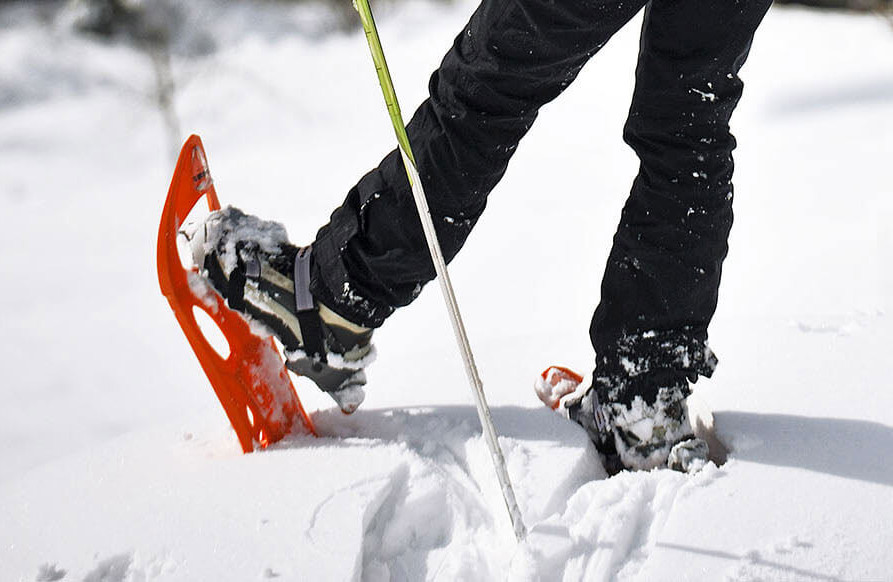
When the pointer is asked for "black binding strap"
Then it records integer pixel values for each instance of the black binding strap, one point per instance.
(248, 267)
(235, 290)
(308, 316)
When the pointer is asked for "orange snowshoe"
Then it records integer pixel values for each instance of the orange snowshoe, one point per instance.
(251, 382)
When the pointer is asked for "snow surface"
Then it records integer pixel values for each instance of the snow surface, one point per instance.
(116, 462)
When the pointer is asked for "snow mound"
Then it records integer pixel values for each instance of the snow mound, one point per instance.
(384, 495)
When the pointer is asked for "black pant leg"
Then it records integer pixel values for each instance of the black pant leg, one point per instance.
(660, 285)
(510, 59)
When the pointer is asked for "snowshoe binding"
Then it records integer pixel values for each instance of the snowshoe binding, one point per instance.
(637, 435)
(259, 273)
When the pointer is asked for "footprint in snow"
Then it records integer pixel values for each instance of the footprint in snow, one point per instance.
(113, 569)
(49, 573)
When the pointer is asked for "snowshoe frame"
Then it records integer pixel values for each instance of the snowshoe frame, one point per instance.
(252, 382)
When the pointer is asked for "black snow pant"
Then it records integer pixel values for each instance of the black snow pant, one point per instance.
(660, 285)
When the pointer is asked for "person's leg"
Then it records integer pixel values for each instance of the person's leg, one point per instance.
(322, 301)
(660, 285)
(510, 59)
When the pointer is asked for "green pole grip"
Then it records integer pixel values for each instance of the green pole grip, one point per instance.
(384, 77)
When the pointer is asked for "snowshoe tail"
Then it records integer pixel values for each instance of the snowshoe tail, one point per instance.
(555, 383)
(251, 382)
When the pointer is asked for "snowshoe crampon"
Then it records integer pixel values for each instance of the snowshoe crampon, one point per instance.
(251, 381)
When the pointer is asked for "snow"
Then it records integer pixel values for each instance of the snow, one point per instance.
(557, 385)
(233, 225)
(116, 461)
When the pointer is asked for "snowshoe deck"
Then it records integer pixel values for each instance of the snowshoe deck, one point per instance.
(251, 382)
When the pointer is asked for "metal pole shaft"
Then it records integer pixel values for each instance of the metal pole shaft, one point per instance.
(440, 268)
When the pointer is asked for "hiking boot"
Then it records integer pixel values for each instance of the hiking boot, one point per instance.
(638, 435)
(259, 273)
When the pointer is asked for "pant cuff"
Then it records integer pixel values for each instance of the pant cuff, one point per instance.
(641, 364)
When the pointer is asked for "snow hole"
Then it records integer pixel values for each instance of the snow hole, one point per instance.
(184, 251)
(213, 335)
(193, 221)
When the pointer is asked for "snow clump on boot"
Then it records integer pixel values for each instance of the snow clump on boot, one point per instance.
(644, 434)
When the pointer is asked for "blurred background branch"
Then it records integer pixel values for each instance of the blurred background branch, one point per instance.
(883, 8)
(162, 28)
(177, 30)
(853, 5)
(150, 26)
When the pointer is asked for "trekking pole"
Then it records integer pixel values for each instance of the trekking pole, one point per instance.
(390, 97)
